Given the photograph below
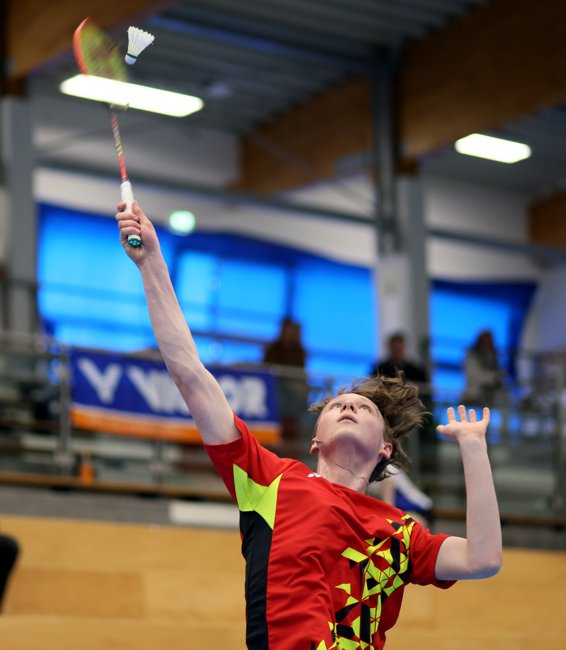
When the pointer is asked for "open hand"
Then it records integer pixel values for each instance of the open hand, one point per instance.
(468, 426)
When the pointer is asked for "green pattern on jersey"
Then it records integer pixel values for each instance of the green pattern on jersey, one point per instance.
(253, 497)
(378, 583)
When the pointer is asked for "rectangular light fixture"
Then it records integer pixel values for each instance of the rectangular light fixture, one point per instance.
(121, 93)
(486, 146)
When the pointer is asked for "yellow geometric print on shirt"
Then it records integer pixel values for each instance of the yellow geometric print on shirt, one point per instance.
(253, 497)
(377, 583)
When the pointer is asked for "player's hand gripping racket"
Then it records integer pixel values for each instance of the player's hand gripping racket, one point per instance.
(96, 54)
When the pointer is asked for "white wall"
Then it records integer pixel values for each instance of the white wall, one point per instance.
(545, 328)
(482, 211)
(77, 131)
(451, 205)
(334, 239)
(158, 147)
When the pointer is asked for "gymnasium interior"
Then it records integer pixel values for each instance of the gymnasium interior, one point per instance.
(323, 180)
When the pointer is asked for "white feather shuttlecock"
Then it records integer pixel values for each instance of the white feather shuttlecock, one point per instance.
(138, 40)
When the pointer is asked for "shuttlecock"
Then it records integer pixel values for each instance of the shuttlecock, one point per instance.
(138, 40)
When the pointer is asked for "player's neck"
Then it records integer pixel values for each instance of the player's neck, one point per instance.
(344, 472)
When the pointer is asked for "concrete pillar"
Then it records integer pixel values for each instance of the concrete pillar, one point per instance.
(18, 217)
(402, 280)
(401, 274)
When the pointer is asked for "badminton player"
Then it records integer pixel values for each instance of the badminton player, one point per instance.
(326, 565)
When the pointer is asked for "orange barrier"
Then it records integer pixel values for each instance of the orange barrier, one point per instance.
(154, 428)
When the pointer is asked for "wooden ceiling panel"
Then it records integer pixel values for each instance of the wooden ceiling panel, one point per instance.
(493, 65)
(502, 61)
(38, 31)
(547, 221)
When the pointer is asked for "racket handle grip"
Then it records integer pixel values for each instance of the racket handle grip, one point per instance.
(128, 197)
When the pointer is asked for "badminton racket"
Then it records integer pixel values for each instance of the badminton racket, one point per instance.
(96, 54)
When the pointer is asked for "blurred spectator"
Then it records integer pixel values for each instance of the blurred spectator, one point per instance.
(9, 549)
(287, 350)
(484, 377)
(397, 489)
(397, 360)
(414, 373)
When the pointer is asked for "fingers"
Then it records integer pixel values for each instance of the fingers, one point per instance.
(127, 221)
(127, 216)
(121, 207)
(451, 414)
(125, 233)
(472, 414)
(128, 224)
(135, 215)
(467, 416)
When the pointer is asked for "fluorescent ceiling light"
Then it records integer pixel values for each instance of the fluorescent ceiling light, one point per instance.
(122, 93)
(485, 146)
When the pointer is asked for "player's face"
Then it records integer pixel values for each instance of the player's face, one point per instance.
(356, 418)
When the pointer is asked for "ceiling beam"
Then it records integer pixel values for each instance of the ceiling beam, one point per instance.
(301, 146)
(190, 23)
(498, 63)
(37, 31)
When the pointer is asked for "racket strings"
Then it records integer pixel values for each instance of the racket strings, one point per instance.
(97, 54)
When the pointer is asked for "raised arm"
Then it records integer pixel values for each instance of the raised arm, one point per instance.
(479, 554)
(200, 390)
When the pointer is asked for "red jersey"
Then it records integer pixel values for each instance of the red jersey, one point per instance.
(325, 565)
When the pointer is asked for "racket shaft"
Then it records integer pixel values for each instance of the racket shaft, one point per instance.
(118, 145)
(96, 54)
(126, 191)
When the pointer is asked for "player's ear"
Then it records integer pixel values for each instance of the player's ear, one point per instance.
(386, 450)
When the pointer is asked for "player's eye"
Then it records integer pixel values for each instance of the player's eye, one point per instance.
(365, 407)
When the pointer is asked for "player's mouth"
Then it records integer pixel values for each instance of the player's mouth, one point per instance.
(348, 418)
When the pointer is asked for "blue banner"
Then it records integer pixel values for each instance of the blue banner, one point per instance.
(136, 396)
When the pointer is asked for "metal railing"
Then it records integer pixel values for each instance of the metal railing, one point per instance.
(40, 446)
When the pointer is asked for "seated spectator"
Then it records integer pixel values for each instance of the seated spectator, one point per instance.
(9, 549)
